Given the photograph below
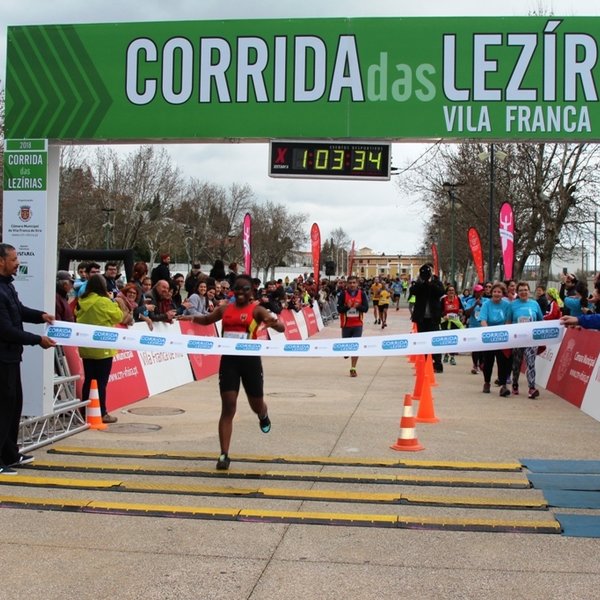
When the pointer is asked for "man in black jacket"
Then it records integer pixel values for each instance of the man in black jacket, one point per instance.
(161, 271)
(427, 312)
(12, 339)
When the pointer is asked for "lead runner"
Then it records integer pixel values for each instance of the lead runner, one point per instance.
(240, 320)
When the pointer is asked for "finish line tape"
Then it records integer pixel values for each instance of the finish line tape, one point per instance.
(477, 339)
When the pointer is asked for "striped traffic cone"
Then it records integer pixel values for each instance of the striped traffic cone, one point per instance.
(407, 441)
(93, 415)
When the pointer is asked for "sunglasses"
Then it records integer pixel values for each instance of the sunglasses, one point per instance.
(242, 288)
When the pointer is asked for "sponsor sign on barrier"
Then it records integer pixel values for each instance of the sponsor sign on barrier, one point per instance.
(291, 326)
(311, 320)
(203, 365)
(575, 363)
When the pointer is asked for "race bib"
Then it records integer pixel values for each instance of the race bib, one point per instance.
(238, 335)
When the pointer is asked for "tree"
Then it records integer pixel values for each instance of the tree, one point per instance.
(212, 216)
(142, 188)
(275, 234)
(552, 188)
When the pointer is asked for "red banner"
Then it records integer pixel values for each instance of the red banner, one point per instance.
(247, 241)
(436, 260)
(574, 365)
(351, 259)
(477, 252)
(507, 238)
(311, 321)
(291, 327)
(315, 244)
(202, 365)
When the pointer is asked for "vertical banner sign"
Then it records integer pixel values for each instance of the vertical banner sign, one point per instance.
(29, 218)
(315, 244)
(247, 241)
(24, 212)
(476, 251)
(436, 260)
(351, 259)
(507, 238)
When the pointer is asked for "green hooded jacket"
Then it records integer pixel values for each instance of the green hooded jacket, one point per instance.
(98, 310)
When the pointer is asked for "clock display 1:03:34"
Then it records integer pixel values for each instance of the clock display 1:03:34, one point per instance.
(358, 160)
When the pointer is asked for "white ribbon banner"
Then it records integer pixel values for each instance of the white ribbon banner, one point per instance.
(434, 342)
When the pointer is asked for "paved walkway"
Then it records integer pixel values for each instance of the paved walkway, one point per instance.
(318, 412)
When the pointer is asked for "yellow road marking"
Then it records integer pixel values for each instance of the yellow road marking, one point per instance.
(323, 460)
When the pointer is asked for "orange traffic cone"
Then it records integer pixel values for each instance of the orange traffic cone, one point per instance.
(426, 412)
(420, 373)
(93, 415)
(407, 441)
(429, 371)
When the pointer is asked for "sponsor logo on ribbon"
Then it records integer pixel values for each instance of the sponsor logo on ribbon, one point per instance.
(105, 336)
(200, 344)
(444, 340)
(60, 332)
(247, 346)
(345, 347)
(152, 340)
(394, 344)
(494, 337)
(548, 333)
(296, 348)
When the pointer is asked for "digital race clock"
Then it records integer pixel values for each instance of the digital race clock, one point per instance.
(327, 159)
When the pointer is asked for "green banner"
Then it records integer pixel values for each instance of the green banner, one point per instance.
(514, 78)
(25, 165)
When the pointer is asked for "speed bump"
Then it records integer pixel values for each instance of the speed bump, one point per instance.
(284, 517)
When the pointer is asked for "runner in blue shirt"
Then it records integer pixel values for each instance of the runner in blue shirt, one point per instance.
(524, 310)
(496, 312)
(472, 307)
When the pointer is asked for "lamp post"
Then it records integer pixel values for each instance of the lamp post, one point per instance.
(595, 243)
(108, 226)
(491, 216)
(450, 189)
(492, 154)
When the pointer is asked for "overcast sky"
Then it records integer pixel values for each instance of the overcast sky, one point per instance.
(374, 214)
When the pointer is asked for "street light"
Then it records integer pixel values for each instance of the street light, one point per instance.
(450, 189)
(492, 155)
(108, 226)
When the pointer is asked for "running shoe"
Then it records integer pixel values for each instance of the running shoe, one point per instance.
(474, 371)
(515, 390)
(4, 470)
(445, 358)
(486, 388)
(533, 393)
(223, 462)
(265, 423)
(452, 360)
(504, 392)
(353, 373)
(24, 459)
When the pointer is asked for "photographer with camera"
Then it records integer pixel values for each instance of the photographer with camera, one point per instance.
(427, 312)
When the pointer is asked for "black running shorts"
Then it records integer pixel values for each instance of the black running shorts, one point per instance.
(247, 369)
